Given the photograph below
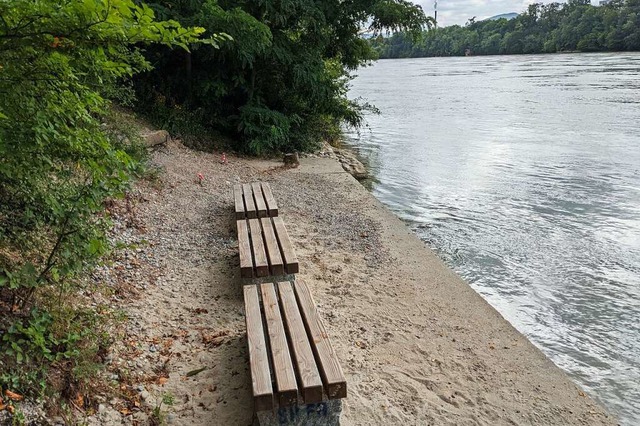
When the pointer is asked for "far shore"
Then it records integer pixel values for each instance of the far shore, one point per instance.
(418, 346)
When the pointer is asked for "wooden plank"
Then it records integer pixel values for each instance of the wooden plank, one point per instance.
(257, 245)
(287, 388)
(258, 358)
(248, 201)
(273, 250)
(286, 248)
(304, 361)
(239, 202)
(244, 247)
(272, 206)
(334, 382)
(258, 197)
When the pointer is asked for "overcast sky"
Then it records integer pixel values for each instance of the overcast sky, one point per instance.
(452, 12)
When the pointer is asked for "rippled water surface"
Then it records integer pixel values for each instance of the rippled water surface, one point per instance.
(523, 173)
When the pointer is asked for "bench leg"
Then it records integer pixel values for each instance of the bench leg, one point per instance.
(326, 413)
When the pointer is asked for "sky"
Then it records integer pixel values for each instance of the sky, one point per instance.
(452, 12)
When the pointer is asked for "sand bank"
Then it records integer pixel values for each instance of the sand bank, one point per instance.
(417, 344)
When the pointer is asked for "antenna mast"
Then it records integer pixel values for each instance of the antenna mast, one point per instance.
(435, 12)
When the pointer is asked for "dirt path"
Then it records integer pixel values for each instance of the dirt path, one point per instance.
(417, 344)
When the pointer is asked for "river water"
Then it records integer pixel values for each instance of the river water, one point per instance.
(523, 174)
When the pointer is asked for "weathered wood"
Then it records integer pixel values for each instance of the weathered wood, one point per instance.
(273, 250)
(287, 388)
(261, 206)
(291, 160)
(311, 384)
(332, 375)
(258, 357)
(248, 201)
(244, 247)
(239, 202)
(257, 245)
(286, 248)
(272, 206)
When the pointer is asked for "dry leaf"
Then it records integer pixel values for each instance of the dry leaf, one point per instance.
(79, 401)
(125, 411)
(215, 339)
(13, 396)
(10, 409)
(2, 406)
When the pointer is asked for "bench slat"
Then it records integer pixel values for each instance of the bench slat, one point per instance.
(332, 375)
(290, 259)
(244, 247)
(258, 360)
(261, 206)
(273, 251)
(283, 368)
(239, 201)
(248, 200)
(257, 244)
(304, 361)
(272, 206)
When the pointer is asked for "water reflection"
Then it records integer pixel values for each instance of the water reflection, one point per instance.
(523, 174)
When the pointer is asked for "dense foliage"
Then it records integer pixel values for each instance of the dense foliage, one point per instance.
(60, 60)
(281, 83)
(548, 28)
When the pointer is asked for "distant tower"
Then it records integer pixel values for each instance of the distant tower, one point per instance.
(435, 12)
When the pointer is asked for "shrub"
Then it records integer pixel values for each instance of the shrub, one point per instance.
(60, 62)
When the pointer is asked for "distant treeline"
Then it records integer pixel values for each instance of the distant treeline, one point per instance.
(556, 27)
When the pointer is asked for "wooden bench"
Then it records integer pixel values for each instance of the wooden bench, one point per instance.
(254, 200)
(265, 248)
(292, 361)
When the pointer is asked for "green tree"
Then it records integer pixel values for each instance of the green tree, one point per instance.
(553, 27)
(281, 83)
(57, 164)
(60, 61)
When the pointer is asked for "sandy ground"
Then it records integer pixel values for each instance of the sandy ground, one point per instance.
(417, 344)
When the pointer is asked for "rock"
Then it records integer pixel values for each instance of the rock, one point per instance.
(291, 160)
(321, 414)
(356, 169)
(155, 138)
(326, 150)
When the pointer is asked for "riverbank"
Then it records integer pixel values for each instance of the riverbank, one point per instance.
(417, 344)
